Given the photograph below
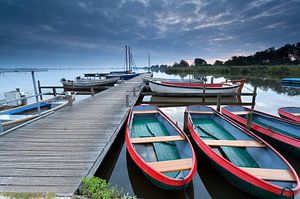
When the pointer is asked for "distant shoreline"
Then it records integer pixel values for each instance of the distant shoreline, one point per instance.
(258, 71)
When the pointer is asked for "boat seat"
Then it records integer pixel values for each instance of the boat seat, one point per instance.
(240, 112)
(156, 139)
(202, 112)
(271, 174)
(172, 165)
(296, 114)
(234, 143)
(143, 112)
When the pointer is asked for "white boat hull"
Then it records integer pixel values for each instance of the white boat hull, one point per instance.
(160, 88)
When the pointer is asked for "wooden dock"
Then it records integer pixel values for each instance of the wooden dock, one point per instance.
(54, 153)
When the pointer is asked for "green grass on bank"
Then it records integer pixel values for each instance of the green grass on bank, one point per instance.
(97, 188)
(258, 71)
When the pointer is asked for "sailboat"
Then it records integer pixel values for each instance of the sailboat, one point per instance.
(127, 73)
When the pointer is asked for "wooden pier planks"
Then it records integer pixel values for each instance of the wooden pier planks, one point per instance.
(54, 153)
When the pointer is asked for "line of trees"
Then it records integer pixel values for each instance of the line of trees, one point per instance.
(289, 54)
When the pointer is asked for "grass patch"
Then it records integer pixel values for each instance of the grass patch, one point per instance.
(97, 188)
(21, 195)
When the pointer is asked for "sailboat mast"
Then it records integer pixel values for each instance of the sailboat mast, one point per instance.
(148, 62)
(126, 59)
(129, 62)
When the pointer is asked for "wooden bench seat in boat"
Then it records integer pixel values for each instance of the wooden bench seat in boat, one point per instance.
(234, 143)
(240, 112)
(296, 114)
(156, 139)
(145, 112)
(172, 165)
(271, 174)
(202, 112)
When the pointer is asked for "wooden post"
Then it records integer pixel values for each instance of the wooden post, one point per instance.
(54, 91)
(249, 120)
(92, 91)
(127, 100)
(185, 116)
(219, 102)
(40, 90)
(134, 91)
(203, 97)
(70, 100)
(1, 128)
(254, 97)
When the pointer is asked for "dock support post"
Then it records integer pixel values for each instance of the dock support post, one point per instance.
(184, 121)
(254, 97)
(40, 90)
(36, 93)
(249, 120)
(127, 100)
(54, 91)
(134, 92)
(92, 91)
(1, 128)
(70, 100)
(219, 102)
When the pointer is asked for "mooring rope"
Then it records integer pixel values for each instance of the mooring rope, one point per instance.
(286, 189)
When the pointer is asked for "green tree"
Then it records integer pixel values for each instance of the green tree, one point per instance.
(199, 62)
(218, 63)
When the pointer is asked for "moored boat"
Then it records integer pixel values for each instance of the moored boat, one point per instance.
(184, 87)
(159, 148)
(86, 84)
(244, 159)
(146, 80)
(291, 113)
(288, 80)
(279, 132)
(122, 76)
(12, 117)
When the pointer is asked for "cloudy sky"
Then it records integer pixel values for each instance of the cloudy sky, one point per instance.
(92, 33)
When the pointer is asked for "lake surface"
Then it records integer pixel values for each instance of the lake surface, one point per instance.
(120, 170)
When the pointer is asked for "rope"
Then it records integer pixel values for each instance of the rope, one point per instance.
(287, 189)
(184, 188)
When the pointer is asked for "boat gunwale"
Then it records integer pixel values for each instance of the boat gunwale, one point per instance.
(196, 88)
(143, 165)
(268, 132)
(288, 115)
(235, 170)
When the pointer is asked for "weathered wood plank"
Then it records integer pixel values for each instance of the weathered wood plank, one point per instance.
(54, 153)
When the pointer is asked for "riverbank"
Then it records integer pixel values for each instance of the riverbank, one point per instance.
(257, 71)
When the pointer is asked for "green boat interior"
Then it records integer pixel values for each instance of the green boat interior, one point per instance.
(241, 149)
(151, 125)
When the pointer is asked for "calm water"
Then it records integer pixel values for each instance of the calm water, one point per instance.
(207, 183)
(120, 170)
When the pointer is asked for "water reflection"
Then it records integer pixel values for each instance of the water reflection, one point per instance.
(143, 188)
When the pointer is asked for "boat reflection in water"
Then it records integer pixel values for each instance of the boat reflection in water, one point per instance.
(143, 188)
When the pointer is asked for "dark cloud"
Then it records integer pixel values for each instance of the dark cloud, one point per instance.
(93, 33)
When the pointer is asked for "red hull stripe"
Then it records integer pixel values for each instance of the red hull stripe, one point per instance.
(149, 170)
(194, 85)
(272, 134)
(238, 171)
(288, 115)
